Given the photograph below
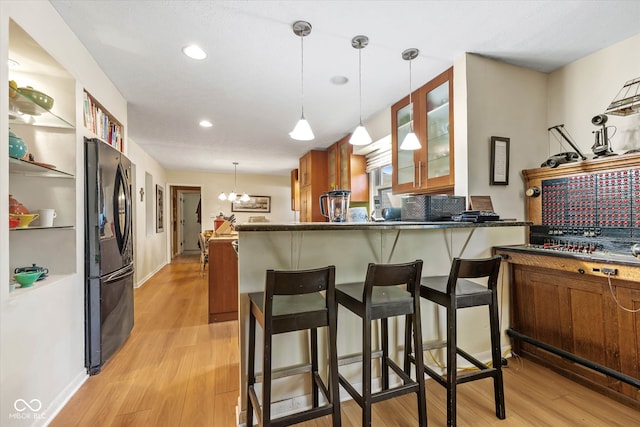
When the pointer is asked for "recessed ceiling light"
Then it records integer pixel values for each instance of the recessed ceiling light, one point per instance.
(339, 80)
(13, 63)
(206, 123)
(194, 52)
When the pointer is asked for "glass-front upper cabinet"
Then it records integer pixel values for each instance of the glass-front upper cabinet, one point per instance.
(404, 161)
(430, 168)
(438, 98)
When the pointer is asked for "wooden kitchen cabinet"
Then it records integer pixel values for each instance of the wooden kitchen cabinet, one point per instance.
(568, 303)
(347, 171)
(295, 190)
(333, 176)
(352, 171)
(223, 280)
(313, 182)
(429, 169)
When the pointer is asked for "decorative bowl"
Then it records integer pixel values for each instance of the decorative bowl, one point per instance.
(27, 279)
(13, 222)
(33, 269)
(25, 219)
(17, 147)
(42, 99)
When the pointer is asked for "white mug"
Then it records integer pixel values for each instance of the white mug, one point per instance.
(46, 217)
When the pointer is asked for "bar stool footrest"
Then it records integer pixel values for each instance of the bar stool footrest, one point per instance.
(303, 416)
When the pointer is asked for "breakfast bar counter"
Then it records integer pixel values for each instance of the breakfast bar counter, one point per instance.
(351, 247)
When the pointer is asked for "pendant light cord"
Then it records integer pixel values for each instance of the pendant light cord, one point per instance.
(302, 73)
(360, 81)
(410, 102)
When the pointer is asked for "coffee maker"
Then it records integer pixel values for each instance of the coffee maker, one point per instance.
(335, 205)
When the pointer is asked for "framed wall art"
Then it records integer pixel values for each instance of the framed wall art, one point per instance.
(254, 204)
(159, 209)
(499, 173)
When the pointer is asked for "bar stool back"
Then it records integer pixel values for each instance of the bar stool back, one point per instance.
(454, 292)
(292, 302)
(380, 298)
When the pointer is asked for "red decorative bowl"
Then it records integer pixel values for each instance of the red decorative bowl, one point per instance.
(13, 222)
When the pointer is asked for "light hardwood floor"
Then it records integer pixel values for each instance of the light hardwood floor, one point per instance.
(177, 370)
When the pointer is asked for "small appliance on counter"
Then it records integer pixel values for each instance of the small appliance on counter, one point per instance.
(431, 208)
(335, 205)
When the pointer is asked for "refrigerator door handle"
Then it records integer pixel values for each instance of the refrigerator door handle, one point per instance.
(122, 189)
(120, 274)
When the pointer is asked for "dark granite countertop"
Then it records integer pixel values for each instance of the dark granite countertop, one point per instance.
(598, 256)
(386, 225)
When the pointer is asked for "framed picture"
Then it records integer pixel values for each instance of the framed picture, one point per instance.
(159, 209)
(499, 161)
(254, 204)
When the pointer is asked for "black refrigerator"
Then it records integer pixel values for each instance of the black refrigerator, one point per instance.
(108, 253)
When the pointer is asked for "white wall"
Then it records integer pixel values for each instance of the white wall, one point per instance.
(584, 89)
(150, 252)
(42, 331)
(497, 99)
(212, 184)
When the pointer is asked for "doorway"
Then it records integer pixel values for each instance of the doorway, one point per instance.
(185, 220)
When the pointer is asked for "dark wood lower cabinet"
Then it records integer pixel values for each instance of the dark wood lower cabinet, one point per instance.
(569, 304)
(223, 280)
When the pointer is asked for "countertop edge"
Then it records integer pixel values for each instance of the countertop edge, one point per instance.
(399, 225)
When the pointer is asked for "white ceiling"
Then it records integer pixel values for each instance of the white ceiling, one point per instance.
(249, 86)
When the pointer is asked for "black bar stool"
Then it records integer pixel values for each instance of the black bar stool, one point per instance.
(292, 302)
(380, 298)
(454, 292)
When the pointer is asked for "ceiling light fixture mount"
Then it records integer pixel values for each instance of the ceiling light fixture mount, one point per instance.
(410, 141)
(194, 52)
(360, 136)
(233, 196)
(302, 131)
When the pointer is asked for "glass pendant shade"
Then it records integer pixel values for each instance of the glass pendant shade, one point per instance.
(410, 142)
(245, 197)
(360, 136)
(302, 131)
(232, 196)
(222, 196)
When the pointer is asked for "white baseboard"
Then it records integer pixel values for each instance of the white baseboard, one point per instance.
(148, 276)
(63, 398)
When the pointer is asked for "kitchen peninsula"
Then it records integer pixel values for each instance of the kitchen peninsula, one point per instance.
(350, 247)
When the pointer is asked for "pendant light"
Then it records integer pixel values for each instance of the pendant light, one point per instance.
(233, 195)
(410, 141)
(302, 131)
(360, 136)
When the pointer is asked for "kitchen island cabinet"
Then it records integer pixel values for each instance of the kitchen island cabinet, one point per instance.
(350, 247)
(223, 280)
